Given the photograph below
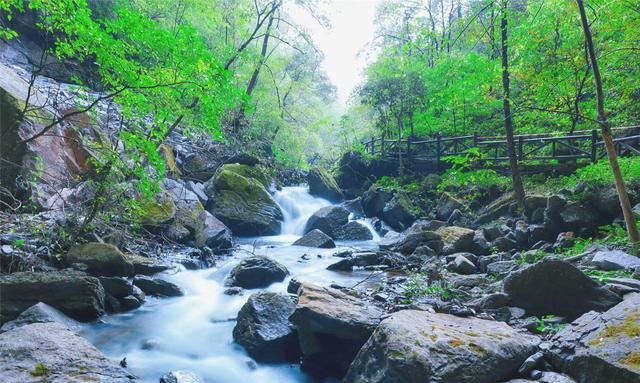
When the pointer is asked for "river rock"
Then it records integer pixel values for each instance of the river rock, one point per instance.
(181, 376)
(456, 239)
(73, 292)
(322, 184)
(332, 326)
(447, 204)
(353, 231)
(553, 286)
(41, 313)
(156, 287)
(195, 226)
(100, 259)
(328, 219)
(601, 347)
(615, 260)
(147, 265)
(576, 215)
(117, 287)
(399, 212)
(255, 272)
(408, 242)
(419, 346)
(462, 265)
(264, 330)
(374, 201)
(49, 352)
(315, 238)
(243, 204)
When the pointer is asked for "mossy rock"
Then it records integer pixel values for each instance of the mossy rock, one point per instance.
(243, 204)
(257, 172)
(157, 211)
(100, 259)
(322, 184)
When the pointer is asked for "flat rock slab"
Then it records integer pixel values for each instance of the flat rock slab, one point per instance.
(48, 352)
(615, 260)
(601, 347)
(419, 346)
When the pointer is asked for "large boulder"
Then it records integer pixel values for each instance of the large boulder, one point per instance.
(264, 330)
(156, 287)
(615, 260)
(195, 226)
(332, 326)
(315, 238)
(353, 231)
(553, 286)
(374, 201)
(456, 239)
(49, 352)
(575, 215)
(409, 242)
(249, 171)
(419, 346)
(243, 204)
(353, 173)
(255, 272)
(399, 212)
(74, 293)
(322, 184)
(100, 259)
(328, 219)
(447, 204)
(601, 347)
(41, 313)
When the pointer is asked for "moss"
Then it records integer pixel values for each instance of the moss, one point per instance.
(456, 342)
(477, 349)
(157, 211)
(256, 172)
(632, 361)
(629, 328)
(170, 161)
(39, 370)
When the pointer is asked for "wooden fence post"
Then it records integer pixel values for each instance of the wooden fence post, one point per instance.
(520, 151)
(438, 151)
(594, 145)
(408, 147)
(475, 139)
(382, 145)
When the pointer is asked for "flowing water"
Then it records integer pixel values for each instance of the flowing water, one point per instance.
(194, 332)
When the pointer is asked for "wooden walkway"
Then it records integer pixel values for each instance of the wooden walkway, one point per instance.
(582, 146)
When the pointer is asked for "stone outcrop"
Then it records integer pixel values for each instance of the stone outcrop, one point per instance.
(255, 272)
(322, 184)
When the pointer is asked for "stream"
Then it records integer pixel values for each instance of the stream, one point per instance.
(194, 331)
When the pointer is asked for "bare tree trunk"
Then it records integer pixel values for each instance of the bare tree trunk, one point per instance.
(518, 188)
(605, 128)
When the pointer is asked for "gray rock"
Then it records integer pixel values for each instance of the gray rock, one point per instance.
(332, 326)
(456, 239)
(264, 330)
(315, 238)
(492, 301)
(255, 272)
(531, 363)
(117, 287)
(322, 184)
(501, 268)
(399, 212)
(156, 287)
(615, 260)
(419, 346)
(49, 352)
(407, 243)
(328, 219)
(374, 201)
(446, 205)
(41, 313)
(100, 259)
(553, 286)
(181, 376)
(74, 293)
(353, 231)
(129, 302)
(601, 347)
(462, 265)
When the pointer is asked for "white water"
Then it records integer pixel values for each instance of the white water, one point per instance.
(194, 331)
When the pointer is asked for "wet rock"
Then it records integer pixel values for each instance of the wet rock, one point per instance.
(41, 313)
(354, 206)
(615, 260)
(181, 376)
(255, 272)
(315, 238)
(553, 286)
(411, 240)
(480, 244)
(264, 330)
(129, 302)
(156, 287)
(575, 215)
(491, 301)
(52, 353)
(419, 346)
(322, 184)
(332, 326)
(243, 204)
(117, 287)
(601, 347)
(100, 259)
(353, 231)
(462, 265)
(293, 286)
(374, 201)
(145, 265)
(328, 219)
(447, 204)
(399, 212)
(74, 293)
(501, 268)
(197, 227)
(456, 239)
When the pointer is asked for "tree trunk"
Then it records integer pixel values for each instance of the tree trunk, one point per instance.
(518, 188)
(605, 128)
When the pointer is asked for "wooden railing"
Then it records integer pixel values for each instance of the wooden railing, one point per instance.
(582, 145)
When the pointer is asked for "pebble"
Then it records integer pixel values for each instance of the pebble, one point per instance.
(6, 249)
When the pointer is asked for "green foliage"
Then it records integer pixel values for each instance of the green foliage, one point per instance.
(547, 326)
(532, 257)
(482, 177)
(579, 246)
(603, 277)
(599, 173)
(417, 286)
(39, 370)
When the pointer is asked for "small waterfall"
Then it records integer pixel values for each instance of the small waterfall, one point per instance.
(297, 206)
(368, 225)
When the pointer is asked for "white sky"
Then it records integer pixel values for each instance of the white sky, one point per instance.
(343, 45)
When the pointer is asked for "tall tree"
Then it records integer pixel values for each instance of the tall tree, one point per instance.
(518, 188)
(605, 129)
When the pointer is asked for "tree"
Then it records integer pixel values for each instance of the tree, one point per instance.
(605, 129)
(518, 188)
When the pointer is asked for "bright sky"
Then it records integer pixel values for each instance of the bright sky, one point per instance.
(343, 45)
